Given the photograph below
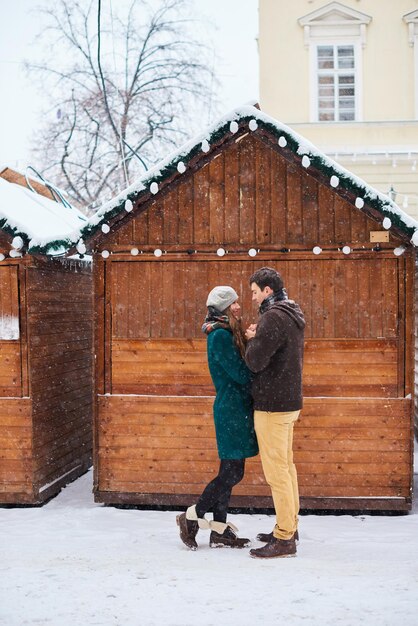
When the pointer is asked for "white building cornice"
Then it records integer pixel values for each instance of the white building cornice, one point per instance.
(336, 19)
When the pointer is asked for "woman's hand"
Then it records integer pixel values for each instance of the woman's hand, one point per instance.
(251, 330)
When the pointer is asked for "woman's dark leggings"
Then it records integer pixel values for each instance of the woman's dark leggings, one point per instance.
(218, 492)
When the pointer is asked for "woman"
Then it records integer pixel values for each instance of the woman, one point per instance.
(233, 414)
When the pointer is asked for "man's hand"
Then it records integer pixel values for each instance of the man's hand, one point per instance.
(251, 330)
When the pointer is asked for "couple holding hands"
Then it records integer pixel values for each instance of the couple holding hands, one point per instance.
(257, 376)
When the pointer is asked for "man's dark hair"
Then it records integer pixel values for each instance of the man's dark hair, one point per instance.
(267, 277)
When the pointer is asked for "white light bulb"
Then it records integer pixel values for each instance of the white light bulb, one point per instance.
(2, 257)
(158, 252)
(359, 203)
(81, 248)
(220, 252)
(387, 223)
(334, 181)
(205, 146)
(415, 238)
(134, 251)
(282, 141)
(105, 228)
(17, 243)
(128, 205)
(154, 188)
(253, 125)
(399, 251)
(181, 167)
(233, 127)
(15, 254)
(252, 252)
(317, 250)
(105, 254)
(346, 250)
(306, 161)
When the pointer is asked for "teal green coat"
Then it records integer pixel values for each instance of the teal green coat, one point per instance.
(232, 409)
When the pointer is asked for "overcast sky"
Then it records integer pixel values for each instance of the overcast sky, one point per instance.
(234, 38)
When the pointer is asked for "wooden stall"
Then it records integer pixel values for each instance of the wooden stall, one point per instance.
(252, 193)
(45, 353)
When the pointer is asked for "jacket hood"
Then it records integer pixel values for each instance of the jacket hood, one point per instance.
(292, 309)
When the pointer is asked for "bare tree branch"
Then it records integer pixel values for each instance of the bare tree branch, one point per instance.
(135, 81)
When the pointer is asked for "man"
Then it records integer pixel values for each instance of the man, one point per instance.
(275, 353)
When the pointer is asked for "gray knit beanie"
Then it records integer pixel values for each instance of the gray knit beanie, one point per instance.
(221, 298)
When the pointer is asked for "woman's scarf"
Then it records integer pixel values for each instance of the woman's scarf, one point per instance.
(213, 320)
(268, 302)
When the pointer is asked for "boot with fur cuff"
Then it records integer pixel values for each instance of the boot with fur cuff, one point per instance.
(227, 539)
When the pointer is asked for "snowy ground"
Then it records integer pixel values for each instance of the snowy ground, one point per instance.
(73, 562)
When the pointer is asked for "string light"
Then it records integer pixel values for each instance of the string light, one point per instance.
(220, 252)
(134, 251)
(105, 254)
(346, 250)
(282, 141)
(253, 125)
(335, 181)
(306, 161)
(105, 228)
(158, 252)
(81, 248)
(128, 205)
(252, 252)
(17, 243)
(317, 250)
(233, 127)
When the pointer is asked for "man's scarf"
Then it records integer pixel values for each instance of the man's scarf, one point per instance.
(213, 320)
(276, 296)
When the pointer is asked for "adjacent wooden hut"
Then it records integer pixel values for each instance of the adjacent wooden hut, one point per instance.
(45, 350)
(248, 193)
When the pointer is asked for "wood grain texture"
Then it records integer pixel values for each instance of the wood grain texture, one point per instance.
(164, 445)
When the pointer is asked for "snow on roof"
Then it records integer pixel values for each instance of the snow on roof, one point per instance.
(37, 219)
(176, 164)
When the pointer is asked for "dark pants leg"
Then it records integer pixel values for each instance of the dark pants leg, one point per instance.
(217, 493)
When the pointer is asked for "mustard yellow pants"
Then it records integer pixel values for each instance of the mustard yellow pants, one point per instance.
(275, 441)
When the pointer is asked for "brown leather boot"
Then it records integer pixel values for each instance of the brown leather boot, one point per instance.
(227, 539)
(275, 548)
(265, 537)
(188, 531)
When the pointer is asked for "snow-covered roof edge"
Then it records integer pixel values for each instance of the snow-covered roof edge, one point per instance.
(176, 164)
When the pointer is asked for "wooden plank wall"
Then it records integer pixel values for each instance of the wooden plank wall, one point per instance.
(249, 195)
(333, 368)
(416, 351)
(60, 350)
(343, 448)
(16, 450)
(10, 347)
(353, 298)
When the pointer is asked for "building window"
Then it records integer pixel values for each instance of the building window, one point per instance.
(336, 83)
